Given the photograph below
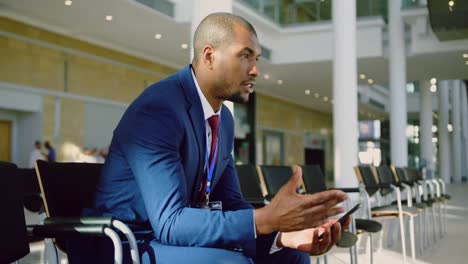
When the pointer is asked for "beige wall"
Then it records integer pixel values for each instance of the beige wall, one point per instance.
(35, 57)
(294, 122)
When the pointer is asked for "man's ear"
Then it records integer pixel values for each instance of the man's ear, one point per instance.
(208, 56)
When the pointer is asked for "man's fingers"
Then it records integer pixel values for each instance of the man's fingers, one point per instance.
(330, 198)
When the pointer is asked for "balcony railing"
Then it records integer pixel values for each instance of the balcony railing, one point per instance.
(293, 12)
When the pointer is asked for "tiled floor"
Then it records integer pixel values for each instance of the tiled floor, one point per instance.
(451, 249)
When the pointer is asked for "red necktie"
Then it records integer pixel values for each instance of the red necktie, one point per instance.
(214, 124)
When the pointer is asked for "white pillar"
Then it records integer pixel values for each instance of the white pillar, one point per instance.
(201, 9)
(397, 66)
(425, 124)
(456, 133)
(464, 115)
(444, 142)
(345, 112)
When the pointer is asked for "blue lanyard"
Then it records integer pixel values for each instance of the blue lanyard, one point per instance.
(210, 167)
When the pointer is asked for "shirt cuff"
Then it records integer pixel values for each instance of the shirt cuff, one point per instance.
(274, 248)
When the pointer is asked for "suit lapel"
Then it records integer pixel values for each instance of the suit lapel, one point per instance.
(195, 112)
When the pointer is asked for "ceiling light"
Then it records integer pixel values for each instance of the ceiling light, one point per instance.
(433, 88)
(109, 18)
(266, 76)
(316, 95)
(370, 81)
(362, 76)
(466, 62)
(450, 127)
(433, 81)
(325, 98)
(451, 3)
(68, 2)
(434, 129)
(184, 45)
(158, 36)
(465, 55)
(307, 91)
(280, 82)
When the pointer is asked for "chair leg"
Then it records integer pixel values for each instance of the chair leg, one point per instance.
(402, 233)
(117, 245)
(413, 249)
(51, 255)
(371, 249)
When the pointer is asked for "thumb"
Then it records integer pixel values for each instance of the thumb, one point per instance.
(295, 179)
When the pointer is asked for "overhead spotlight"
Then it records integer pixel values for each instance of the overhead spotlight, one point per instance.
(307, 91)
(450, 127)
(266, 76)
(433, 80)
(465, 55)
(109, 18)
(316, 95)
(68, 2)
(370, 81)
(362, 76)
(451, 3)
(184, 45)
(158, 36)
(433, 88)
(280, 82)
(325, 98)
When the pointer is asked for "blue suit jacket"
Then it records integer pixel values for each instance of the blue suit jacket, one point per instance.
(156, 166)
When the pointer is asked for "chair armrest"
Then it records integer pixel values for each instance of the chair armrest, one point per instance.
(85, 220)
(347, 190)
(67, 230)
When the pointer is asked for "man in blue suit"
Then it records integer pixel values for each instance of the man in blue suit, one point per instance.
(163, 175)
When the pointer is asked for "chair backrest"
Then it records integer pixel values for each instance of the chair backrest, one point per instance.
(31, 192)
(275, 177)
(386, 177)
(400, 172)
(313, 178)
(366, 175)
(250, 184)
(13, 239)
(67, 188)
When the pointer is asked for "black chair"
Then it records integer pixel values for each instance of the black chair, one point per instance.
(381, 188)
(274, 177)
(68, 188)
(314, 181)
(250, 185)
(13, 239)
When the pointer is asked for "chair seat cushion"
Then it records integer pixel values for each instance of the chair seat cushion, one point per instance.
(347, 240)
(367, 225)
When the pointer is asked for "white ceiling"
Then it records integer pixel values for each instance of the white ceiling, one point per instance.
(134, 25)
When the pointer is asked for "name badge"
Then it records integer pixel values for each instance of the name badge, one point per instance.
(212, 206)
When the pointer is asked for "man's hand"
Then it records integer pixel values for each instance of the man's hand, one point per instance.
(290, 211)
(314, 241)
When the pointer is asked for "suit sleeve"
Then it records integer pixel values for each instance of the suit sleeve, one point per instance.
(153, 156)
(227, 190)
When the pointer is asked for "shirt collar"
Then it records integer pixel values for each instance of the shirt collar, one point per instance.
(207, 109)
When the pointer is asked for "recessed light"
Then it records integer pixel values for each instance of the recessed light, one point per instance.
(325, 98)
(433, 88)
(451, 3)
(316, 95)
(465, 55)
(466, 62)
(109, 18)
(280, 82)
(370, 81)
(362, 76)
(184, 46)
(450, 127)
(158, 36)
(68, 2)
(307, 91)
(266, 76)
(433, 81)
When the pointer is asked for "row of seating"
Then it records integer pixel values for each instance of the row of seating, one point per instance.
(66, 188)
